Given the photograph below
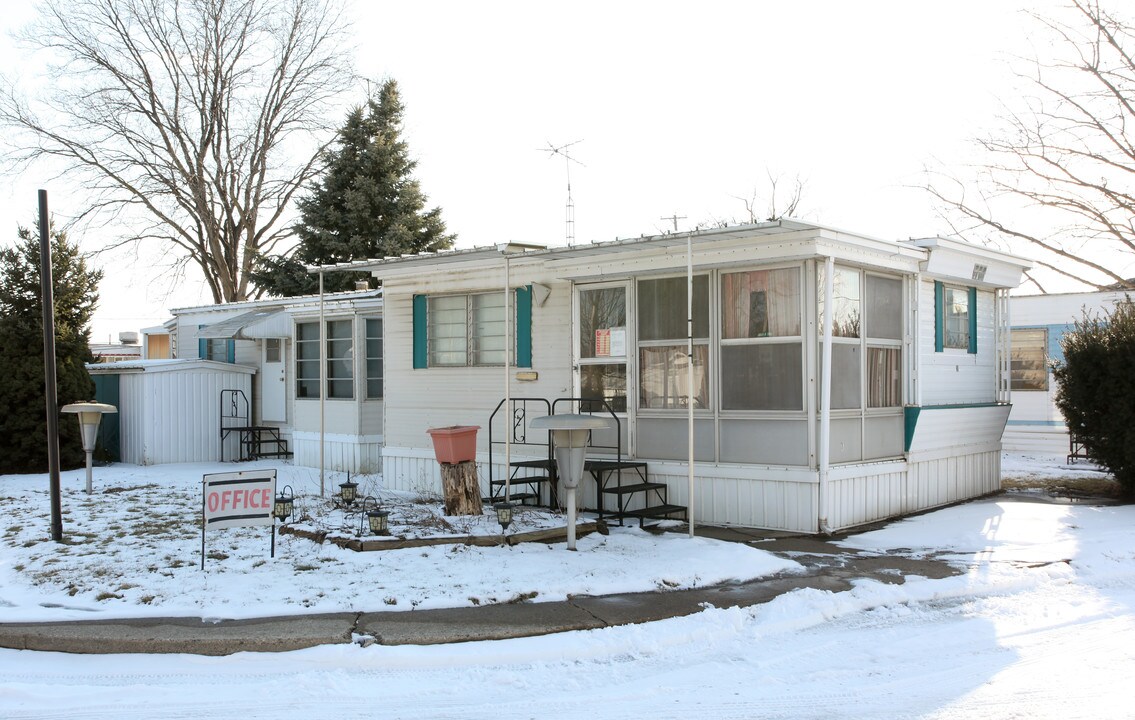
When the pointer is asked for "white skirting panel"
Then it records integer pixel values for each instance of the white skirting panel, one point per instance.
(932, 483)
(341, 453)
(868, 494)
(780, 502)
(415, 470)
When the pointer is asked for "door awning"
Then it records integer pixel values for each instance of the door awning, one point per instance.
(254, 325)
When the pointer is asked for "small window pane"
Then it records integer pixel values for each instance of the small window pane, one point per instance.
(374, 358)
(762, 303)
(884, 307)
(1029, 360)
(665, 377)
(602, 322)
(846, 314)
(272, 350)
(884, 377)
(604, 382)
(488, 329)
(448, 320)
(762, 377)
(956, 311)
(662, 308)
(307, 360)
(340, 359)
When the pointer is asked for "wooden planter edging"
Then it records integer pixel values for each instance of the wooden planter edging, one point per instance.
(558, 534)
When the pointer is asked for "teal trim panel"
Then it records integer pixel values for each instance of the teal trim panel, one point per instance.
(939, 316)
(421, 354)
(973, 321)
(524, 327)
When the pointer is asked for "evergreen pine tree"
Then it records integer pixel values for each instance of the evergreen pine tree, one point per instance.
(23, 416)
(366, 205)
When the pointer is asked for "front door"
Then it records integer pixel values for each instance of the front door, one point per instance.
(602, 349)
(273, 390)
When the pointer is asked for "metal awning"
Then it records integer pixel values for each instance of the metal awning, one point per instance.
(254, 325)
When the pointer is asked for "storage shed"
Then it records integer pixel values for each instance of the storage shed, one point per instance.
(169, 411)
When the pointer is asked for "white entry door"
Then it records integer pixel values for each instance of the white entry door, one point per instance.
(273, 386)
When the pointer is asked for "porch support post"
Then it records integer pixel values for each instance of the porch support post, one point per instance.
(690, 375)
(322, 385)
(826, 394)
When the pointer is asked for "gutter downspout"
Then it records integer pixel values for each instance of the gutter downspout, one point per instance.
(826, 396)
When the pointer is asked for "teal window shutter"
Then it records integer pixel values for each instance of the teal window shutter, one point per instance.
(421, 355)
(973, 321)
(524, 326)
(230, 350)
(939, 317)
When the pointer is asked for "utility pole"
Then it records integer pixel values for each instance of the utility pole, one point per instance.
(674, 219)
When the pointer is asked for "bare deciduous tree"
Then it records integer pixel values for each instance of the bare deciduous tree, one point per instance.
(1058, 182)
(775, 210)
(190, 122)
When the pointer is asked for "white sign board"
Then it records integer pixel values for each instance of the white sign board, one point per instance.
(238, 499)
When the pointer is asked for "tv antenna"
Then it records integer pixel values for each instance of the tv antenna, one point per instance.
(569, 209)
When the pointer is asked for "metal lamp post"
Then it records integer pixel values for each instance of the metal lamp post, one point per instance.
(569, 434)
(90, 414)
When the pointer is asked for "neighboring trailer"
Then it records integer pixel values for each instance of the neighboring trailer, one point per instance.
(916, 339)
(169, 411)
(1038, 324)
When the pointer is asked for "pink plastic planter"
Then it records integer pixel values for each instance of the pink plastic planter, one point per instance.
(454, 444)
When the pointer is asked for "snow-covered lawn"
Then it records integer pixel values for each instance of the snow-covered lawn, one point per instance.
(1042, 624)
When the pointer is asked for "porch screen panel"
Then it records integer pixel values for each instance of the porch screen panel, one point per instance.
(761, 350)
(761, 303)
(662, 343)
(762, 377)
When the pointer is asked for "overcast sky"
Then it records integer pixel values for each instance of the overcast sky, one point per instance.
(679, 108)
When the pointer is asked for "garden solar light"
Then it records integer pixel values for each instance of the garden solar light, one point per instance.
(90, 413)
(504, 514)
(377, 518)
(285, 504)
(348, 491)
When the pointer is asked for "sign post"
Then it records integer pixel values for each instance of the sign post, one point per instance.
(237, 499)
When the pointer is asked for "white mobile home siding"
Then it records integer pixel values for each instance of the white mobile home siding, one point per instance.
(755, 469)
(955, 376)
(424, 398)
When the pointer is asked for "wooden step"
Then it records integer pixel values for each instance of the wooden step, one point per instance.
(637, 487)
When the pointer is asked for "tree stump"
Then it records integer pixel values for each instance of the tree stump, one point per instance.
(460, 487)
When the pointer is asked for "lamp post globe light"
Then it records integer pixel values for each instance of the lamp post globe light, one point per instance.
(570, 433)
(90, 415)
(348, 491)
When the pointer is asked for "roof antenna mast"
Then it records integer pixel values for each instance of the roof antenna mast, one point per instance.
(569, 209)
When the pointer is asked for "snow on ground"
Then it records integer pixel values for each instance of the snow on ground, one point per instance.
(133, 549)
(1041, 625)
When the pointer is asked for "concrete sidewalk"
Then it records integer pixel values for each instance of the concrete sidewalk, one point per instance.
(827, 567)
